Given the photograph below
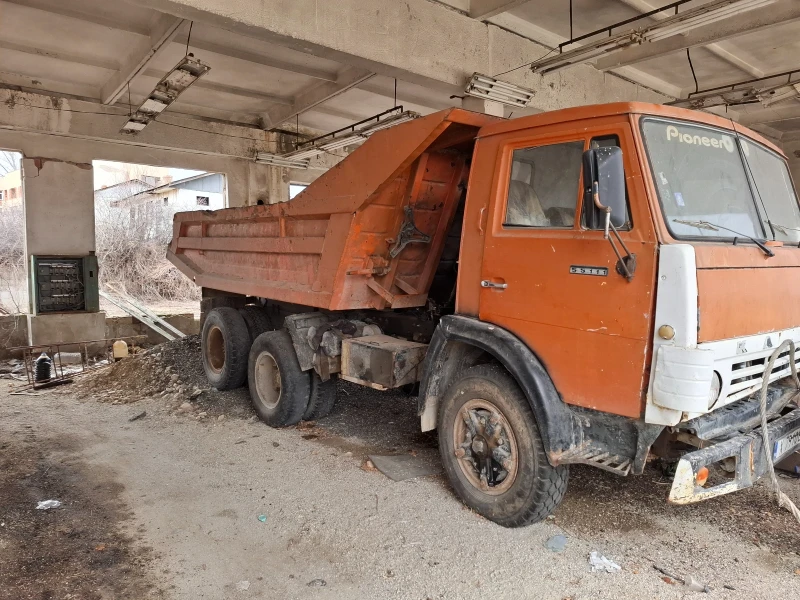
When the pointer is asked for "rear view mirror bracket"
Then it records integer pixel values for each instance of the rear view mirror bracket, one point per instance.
(605, 165)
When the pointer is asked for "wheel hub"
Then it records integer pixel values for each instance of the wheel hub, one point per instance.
(485, 447)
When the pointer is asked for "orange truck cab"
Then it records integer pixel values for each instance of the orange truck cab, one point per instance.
(592, 285)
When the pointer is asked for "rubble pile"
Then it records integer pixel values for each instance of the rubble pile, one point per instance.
(172, 371)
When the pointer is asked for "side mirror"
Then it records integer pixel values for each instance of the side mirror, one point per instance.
(604, 187)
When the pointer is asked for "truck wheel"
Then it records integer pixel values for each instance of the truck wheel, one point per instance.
(257, 320)
(323, 397)
(279, 389)
(224, 345)
(492, 451)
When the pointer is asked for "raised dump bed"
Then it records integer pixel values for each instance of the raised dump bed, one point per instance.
(367, 234)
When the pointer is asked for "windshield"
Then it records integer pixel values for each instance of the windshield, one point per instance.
(773, 186)
(703, 179)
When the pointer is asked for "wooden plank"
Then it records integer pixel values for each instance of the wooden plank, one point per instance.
(288, 245)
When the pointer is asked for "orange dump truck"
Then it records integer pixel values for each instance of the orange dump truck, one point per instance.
(592, 285)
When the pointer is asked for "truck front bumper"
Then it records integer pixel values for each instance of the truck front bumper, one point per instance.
(746, 449)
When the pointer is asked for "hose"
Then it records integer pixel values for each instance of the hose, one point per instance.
(782, 499)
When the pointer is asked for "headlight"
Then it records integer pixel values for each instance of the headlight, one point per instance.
(713, 394)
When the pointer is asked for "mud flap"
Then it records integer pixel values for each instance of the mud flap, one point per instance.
(747, 450)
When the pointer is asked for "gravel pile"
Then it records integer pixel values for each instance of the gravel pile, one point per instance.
(172, 371)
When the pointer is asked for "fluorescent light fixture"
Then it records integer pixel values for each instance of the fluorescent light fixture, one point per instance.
(173, 84)
(276, 160)
(489, 88)
(349, 137)
(711, 12)
(775, 95)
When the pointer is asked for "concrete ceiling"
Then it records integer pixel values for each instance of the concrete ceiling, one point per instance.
(104, 50)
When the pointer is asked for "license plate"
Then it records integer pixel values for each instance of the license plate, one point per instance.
(785, 444)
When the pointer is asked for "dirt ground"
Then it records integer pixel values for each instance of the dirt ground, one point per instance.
(196, 499)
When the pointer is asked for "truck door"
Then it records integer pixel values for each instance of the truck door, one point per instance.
(553, 282)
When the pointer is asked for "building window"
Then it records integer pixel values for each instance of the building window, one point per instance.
(12, 193)
(296, 188)
(202, 200)
(1, 195)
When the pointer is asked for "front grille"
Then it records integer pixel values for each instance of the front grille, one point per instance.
(747, 375)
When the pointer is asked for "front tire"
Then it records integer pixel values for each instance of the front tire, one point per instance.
(492, 450)
(279, 389)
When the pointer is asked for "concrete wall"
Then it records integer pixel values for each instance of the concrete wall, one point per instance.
(117, 327)
(14, 330)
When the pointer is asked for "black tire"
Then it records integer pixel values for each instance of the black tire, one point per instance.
(536, 488)
(225, 343)
(279, 389)
(257, 321)
(323, 397)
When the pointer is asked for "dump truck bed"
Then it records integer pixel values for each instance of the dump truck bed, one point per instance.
(368, 233)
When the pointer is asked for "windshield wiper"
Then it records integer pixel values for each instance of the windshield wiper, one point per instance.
(784, 229)
(715, 227)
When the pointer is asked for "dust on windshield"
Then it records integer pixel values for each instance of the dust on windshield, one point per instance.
(700, 178)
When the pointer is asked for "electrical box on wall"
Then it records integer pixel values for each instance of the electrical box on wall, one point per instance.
(64, 284)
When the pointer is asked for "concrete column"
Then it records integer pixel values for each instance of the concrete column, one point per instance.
(59, 221)
(489, 107)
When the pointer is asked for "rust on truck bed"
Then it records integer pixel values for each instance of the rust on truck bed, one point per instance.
(366, 234)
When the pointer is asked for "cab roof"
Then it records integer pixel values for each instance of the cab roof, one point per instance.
(594, 111)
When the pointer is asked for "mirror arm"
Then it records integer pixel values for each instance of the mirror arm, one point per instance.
(600, 207)
(627, 264)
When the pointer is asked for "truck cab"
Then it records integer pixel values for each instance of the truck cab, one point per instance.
(592, 285)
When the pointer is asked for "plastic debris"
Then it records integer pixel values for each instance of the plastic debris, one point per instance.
(48, 504)
(317, 583)
(693, 585)
(601, 563)
(243, 586)
(557, 543)
(262, 518)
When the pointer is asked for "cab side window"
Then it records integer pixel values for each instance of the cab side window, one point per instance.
(544, 185)
(603, 142)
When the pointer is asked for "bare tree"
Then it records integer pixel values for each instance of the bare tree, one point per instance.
(9, 161)
(13, 285)
(132, 238)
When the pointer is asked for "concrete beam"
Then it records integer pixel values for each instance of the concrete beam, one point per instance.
(81, 119)
(58, 54)
(552, 40)
(164, 29)
(704, 36)
(483, 9)
(203, 84)
(68, 9)
(316, 95)
(417, 41)
(757, 113)
(258, 59)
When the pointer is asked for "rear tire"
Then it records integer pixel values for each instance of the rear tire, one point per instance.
(323, 397)
(279, 389)
(257, 321)
(225, 344)
(484, 417)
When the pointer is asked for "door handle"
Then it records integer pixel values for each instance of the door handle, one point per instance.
(493, 284)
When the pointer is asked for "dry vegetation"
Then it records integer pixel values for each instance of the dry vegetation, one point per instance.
(131, 249)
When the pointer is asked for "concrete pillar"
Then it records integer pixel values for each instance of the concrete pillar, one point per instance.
(489, 107)
(59, 221)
